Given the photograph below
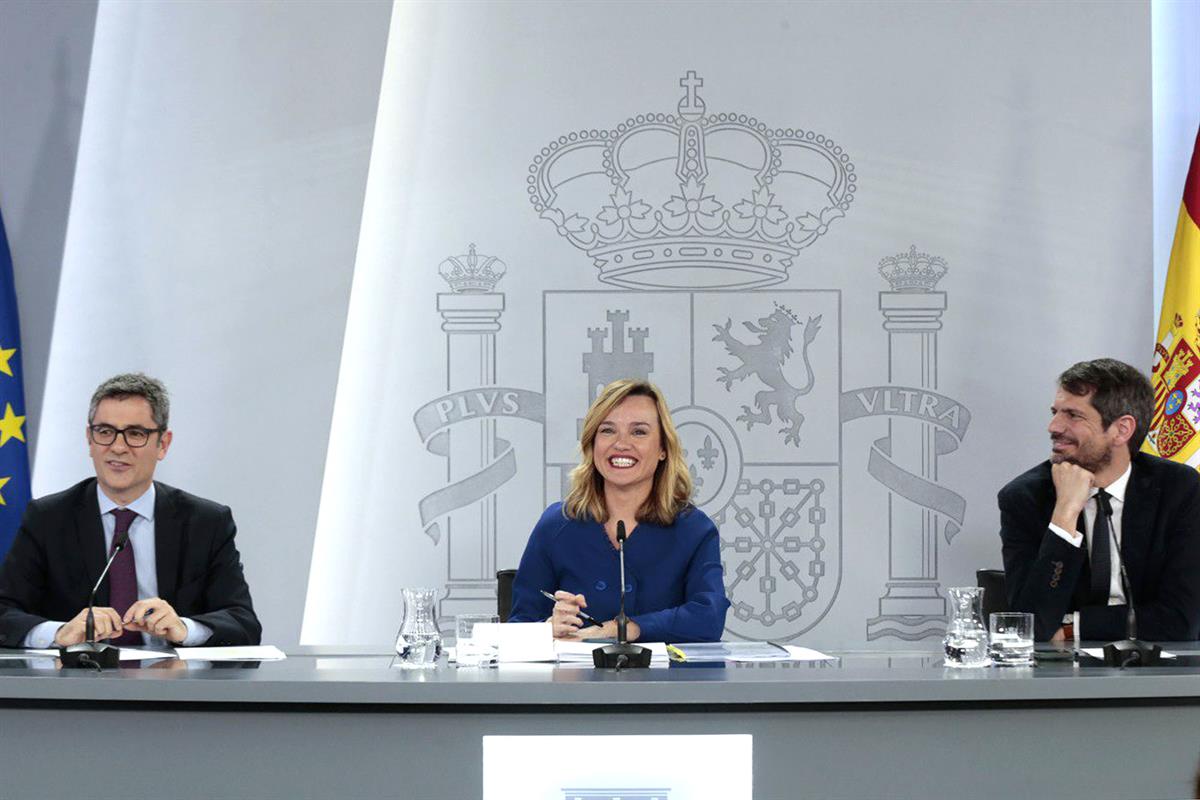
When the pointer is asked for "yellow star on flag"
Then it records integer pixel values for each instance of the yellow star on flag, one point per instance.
(5, 355)
(10, 426)
(2, 482)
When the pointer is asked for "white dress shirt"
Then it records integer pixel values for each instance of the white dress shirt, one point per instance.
(141, 540)
(1116, 491)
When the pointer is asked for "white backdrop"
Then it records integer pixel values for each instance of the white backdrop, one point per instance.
(221, 208)
(211, 242)
(994, 137)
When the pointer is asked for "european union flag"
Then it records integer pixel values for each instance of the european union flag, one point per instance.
(14, 458)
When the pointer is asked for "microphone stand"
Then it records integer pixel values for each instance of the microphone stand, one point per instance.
(1130, 651)
(90, 653)
(622, 654)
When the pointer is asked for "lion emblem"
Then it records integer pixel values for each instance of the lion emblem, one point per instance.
(765, 359)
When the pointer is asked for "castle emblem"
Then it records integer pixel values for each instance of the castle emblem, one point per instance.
(692, 200)
(765, 361)
(605, 366)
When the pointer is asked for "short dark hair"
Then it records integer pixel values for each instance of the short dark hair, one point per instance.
(1117, 389)
(135, 384)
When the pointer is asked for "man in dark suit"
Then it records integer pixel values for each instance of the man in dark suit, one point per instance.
(180, 578)
(1058, 520)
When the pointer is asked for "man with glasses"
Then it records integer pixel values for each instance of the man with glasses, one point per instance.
(180, 578)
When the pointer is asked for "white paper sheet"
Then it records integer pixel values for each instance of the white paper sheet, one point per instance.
(265, 652)
(1098, 652)
(127, 654)
(570, 652)
(30, 653)
(806, 654)
(137, 654)
(519, 642)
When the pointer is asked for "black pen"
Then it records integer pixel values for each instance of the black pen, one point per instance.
(583, 615)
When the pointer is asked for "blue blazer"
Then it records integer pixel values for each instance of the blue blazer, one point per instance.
(674, 590)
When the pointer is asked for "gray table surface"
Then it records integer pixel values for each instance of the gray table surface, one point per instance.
(342, 722)
(320, 675)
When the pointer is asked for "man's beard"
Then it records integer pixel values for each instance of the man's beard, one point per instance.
(1093, 459)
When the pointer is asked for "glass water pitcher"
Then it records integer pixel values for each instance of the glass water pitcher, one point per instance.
(419, 642)
(966, 640)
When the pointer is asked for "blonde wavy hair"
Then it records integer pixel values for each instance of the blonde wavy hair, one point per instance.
(672, 488)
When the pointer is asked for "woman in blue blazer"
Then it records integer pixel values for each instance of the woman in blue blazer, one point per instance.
(632, 470)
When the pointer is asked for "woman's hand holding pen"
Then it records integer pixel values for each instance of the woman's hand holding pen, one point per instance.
(565, 617)
(568, 620)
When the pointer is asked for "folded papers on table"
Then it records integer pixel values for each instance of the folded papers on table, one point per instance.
(743, 651)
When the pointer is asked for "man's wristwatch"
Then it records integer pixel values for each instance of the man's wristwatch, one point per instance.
(1068, 626)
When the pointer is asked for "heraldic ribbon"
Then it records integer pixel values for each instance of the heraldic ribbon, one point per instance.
(952, 420)
(434, 421)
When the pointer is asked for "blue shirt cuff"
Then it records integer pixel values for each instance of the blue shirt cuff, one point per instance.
(41, 636)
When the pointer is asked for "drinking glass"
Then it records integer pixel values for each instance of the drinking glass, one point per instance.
(471, 651)
(1011, 643)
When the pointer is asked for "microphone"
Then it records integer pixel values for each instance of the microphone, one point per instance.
(1130, 651)
(622, 620)
(89, 653)
(622, 654)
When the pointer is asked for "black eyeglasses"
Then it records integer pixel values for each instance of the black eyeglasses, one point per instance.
(104, 435)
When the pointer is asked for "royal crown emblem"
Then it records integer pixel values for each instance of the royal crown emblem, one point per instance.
(913, 271)
(692, 200)
(472, 273)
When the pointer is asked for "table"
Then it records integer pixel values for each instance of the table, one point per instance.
(332, 722)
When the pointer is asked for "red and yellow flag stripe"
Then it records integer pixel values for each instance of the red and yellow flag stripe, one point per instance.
(1175, 428)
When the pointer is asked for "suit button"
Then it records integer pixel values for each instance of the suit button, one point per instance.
(1053, 584)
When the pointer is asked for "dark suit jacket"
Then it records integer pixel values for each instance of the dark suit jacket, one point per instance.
(1160, 544)
(59, 553)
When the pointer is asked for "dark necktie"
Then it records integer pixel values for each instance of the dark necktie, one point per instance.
(1101, 552)
(122, 578)
(1083, 584)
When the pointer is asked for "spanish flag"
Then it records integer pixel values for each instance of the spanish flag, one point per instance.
(1175, 428)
